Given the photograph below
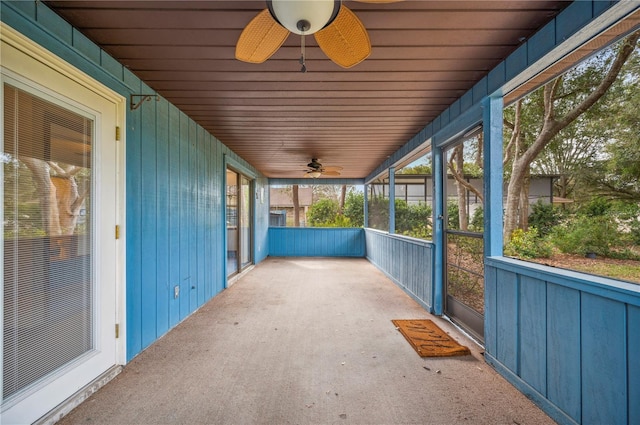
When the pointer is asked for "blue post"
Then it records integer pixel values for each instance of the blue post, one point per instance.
(493, 175)
(366, 206)
(392, 200)
(438, 230)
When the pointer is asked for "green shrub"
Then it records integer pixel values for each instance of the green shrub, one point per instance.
(596, 207)
(421, 232)
(477, 221)
(338, 221)
(410, 218)
(544, 217)
(634, 231)
(453, 217)
(354, 208)
(587, 234)
(322, 211)
(527, 245)
(379, 213)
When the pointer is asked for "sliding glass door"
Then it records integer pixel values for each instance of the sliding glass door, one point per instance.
(239, 222)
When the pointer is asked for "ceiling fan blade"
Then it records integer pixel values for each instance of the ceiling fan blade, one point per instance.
(378, 1)
(330, 173)
(331, 168)
(260, 39)
(345, 41)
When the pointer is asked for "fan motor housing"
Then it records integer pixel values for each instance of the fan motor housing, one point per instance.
(314, 164)
(304, 17)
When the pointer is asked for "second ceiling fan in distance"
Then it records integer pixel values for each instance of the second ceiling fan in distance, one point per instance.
(316, 169)
(337, 30)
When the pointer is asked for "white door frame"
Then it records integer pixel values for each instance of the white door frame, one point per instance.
(13, 39)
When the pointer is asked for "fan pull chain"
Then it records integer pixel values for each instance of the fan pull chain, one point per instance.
(304, 66)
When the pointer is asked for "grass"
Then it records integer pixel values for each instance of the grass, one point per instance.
(617, 271)
(628, 270)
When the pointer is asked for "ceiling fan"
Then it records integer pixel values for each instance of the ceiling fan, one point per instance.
(315, 170)
(337, 30)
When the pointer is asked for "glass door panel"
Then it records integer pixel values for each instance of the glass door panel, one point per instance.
(232, 222)
(239, 218)
(245, 222)
(48, 266)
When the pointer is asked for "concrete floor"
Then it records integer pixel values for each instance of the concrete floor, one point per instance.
(305, 341)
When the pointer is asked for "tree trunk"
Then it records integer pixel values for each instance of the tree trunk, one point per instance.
(458, 157)
(524, 203)
(343, 195)
(69, 203)
(40, 172)
(60, 201)
(296, 207)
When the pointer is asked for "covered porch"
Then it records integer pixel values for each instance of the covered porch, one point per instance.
(193, 150)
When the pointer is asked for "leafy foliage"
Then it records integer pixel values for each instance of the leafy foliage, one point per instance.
(585, 235)
(322, 211)
(417, 169)
(567, 126)
(410, 219)
(477, 220)
(527, 245)
(413, 219)
(544, 217)
(453, 218)
(379, 213)
(354, 208)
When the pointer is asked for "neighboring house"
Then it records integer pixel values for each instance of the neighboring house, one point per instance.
(281, 203)
(416, 188)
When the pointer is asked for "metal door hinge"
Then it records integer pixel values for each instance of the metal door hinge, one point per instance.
(117, 232)
(118, 134)
(117, 330)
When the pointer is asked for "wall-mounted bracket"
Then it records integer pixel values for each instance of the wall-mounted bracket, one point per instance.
(141, 98)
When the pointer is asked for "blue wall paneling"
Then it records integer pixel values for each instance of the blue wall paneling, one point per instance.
(408, 262)
(568, 340)
(164, 294)
(316, 242)
(174, 172)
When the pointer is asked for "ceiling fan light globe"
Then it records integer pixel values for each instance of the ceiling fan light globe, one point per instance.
(314, 174)
(318, 13)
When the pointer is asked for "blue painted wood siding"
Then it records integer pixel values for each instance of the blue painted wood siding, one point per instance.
(316, 242)
(569, 341)
(406, 261)
(174, 188)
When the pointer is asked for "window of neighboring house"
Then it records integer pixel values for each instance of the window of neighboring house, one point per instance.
(590, 219)
(316, 205)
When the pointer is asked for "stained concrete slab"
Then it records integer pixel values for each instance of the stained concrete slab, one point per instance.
(305, 341)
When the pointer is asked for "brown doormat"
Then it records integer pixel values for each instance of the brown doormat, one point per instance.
(428, 339)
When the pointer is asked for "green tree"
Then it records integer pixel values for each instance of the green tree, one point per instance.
(354, 208)
(559, 103)
(379, 213)
(322, 212)
(616, 172)
(417, 169)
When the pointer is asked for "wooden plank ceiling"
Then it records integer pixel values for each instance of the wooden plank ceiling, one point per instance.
(425, 54)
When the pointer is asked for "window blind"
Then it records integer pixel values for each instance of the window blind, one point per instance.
(47, 263)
